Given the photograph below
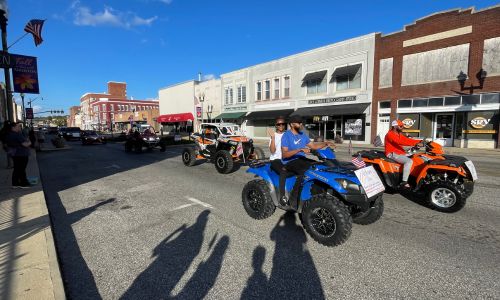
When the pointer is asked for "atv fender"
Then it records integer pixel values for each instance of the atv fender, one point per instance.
(263, 173)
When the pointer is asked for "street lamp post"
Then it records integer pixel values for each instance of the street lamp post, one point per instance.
(29, 103)
(10, 106)
(23, 112)
(202, 99)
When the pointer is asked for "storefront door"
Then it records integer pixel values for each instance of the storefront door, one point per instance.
(333, 129)
(383, 125)
(443, 130)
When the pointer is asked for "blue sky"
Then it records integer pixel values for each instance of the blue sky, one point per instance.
(151, 44)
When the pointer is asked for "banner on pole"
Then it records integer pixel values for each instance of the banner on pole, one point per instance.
(25, 73)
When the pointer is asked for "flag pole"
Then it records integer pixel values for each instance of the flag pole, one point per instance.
(18, 40)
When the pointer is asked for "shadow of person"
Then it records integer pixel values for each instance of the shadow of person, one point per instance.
(206, 274)
(257, 284)
(294, 275)
(173, 258)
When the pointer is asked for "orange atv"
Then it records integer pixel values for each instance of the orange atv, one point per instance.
(222, 144)
(446, 181)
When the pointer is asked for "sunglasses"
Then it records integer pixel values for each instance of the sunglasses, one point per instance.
(280, 124)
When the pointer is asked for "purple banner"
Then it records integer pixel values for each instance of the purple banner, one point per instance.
(25, 73)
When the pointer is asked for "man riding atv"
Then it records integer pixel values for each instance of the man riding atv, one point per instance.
(294, 146)
(394, 140)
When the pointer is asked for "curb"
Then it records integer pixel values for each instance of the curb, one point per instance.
(55, 271)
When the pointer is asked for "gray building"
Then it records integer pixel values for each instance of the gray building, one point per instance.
(330, 87)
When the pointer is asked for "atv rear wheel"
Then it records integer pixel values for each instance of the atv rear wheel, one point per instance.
(189, 157)
(163, 146)
(223, 162)
(258, 153)
(257, 201)
(128, 146)
(327, 220)
(446, 197)
(137, 147)
(371, 215)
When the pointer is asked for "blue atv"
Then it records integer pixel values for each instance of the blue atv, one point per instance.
(331, 198)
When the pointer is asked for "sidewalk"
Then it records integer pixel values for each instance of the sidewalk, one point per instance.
(28, 260)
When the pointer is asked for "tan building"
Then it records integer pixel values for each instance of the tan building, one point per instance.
(123, 120)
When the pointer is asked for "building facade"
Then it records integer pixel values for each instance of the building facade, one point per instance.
(98, 110)
(330, 87)
(441, 77)
(187, 104)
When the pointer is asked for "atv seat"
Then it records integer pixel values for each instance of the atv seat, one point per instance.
(288, 173)
(375, 154)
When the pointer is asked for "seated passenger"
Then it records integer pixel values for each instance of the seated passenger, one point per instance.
(275, 148)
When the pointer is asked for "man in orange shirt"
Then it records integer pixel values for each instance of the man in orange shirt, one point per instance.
(394, 142)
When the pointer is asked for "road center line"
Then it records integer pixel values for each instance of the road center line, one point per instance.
(199, 202)
(183, 206)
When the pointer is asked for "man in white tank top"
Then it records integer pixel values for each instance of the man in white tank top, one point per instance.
(275, 158)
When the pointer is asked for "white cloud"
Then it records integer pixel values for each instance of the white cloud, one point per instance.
(83, 16)
(37, 108)
(208, 77)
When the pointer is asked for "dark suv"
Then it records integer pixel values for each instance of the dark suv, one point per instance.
(70, 133)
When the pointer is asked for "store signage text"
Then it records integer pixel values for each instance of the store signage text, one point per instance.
(479, 122)
(332, 100)
(408, 123)
(235, 108)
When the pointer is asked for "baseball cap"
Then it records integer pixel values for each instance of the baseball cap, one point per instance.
(396, 123)
(295, 119)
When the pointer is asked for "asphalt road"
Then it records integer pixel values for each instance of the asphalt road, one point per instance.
(144, 226)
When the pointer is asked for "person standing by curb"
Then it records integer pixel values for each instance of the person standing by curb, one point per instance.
(18, 148)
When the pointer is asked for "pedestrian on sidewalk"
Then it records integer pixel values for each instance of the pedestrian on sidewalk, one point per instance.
(19, 148)
(3, 135)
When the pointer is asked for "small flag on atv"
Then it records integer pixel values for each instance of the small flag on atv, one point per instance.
(349, 149)
(358, 162)
(239, 149)
(377, 142)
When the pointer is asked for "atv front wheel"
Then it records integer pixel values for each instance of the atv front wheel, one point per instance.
(327, 220)
(138, 148)
(446, 197)
(258, 153)
(163, 147)
(257, 199)
(128, 146)
(223, 162)
(371, 215)
(189, 157)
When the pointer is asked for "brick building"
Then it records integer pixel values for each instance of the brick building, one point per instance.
(74, 117)
(98, 109)
(441, 76)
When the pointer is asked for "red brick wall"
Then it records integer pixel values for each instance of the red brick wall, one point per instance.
(117, 89)
(485, 25)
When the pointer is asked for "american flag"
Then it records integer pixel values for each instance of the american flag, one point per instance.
(35, 27)
(358, 162)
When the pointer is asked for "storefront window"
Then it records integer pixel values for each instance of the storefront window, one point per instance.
(385, 104)
(404, 103)
(448, 101)
(436, 102)
(490, 98)
(354, 128)
(420, 103)
(470, 99)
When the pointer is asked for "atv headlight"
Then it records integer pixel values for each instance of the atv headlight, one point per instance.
(145, 139)
(234, 143)
(348, 185)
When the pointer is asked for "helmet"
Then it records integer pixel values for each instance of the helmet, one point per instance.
(397, 123)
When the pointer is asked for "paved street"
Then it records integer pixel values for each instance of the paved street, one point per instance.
(144, 226)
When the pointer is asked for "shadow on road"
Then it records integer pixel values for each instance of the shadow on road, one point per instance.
(61, 171)
(173, 257)
(293, 275)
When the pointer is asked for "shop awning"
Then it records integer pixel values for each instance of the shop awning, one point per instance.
(268, 114)
(347, 70)
(174, 118)
(314, 75)
(232, 115)
(332, 110)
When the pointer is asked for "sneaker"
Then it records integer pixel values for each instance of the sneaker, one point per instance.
(404, 185)
(24, 186)
(15, 186)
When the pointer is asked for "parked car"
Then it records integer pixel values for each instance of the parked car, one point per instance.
(69, 133)
(89, 137)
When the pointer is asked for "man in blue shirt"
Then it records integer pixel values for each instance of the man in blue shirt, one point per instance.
(294, 146)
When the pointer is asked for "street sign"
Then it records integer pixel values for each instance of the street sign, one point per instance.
(29, 113)
(5, 60)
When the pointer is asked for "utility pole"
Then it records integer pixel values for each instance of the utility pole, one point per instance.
(9, 107)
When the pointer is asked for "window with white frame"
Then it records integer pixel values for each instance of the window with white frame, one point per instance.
(242, 93)
(231, 95)
(276, 88)
(286, 86)
(348, 77)
(228, 97)
(259, 91)
(112, 107)
(267, 89)
(103, 107)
